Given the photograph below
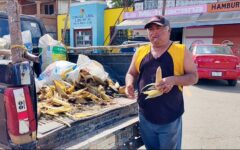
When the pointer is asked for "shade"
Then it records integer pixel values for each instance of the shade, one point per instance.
(179, 21)
(232, 17)
(132, 24)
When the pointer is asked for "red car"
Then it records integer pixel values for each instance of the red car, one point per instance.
(216, 61)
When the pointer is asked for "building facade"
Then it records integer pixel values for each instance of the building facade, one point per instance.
(205, 23)
(87, 24)
(45, 10)
(112, 17)
(157, 4)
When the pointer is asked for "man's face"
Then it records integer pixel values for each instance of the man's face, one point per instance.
(158, 35)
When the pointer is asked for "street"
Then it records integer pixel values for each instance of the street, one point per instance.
(212, 116)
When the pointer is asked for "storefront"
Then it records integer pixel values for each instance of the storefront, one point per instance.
(111, 18)
(207, 23)
(60, 27)
(87, 24)
(179, 18)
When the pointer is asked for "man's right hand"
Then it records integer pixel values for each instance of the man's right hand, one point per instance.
(130, 91)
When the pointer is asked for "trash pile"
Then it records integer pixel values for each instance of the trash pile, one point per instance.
(75, 90)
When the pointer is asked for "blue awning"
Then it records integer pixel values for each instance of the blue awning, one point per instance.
(180, 21)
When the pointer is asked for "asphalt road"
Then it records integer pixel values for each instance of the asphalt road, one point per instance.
(212, 116)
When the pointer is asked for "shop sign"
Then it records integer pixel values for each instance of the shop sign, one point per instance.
(224, 6)
(141, 14)
(186, 10)
(169, 11)
(82, 18)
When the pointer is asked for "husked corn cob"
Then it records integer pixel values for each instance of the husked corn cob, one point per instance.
(155, 93)
(158, 75)
(152, 93)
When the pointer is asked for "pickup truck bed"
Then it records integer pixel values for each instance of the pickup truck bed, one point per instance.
(52, 134)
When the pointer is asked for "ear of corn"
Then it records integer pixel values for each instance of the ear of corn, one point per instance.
(155, 93)
(152, 93)
(158, 75)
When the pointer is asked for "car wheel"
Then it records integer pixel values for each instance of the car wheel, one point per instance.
(232, 82)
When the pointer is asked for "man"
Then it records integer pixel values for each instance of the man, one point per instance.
(160, 117)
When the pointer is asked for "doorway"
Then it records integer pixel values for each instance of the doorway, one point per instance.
(176, 34)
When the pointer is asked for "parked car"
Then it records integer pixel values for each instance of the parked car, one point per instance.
(216, 61)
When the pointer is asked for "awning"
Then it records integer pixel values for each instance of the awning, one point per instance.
(182, 20)
(232, 17)
(179, 21)
(132, 24)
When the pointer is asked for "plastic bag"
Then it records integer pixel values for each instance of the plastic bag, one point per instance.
(73, 75)
(51, 50)
(56, 71)
(4, 44)
(26, 38)
(92, 66)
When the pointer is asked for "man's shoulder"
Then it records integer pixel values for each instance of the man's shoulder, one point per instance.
(179, 45)
(144, 47)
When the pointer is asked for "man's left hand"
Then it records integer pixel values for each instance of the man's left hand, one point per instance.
(166, 84)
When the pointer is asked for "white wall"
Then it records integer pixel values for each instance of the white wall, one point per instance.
(62, 6)
(197, 35)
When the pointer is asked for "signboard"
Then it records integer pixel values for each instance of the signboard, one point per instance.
(224, 6)
(82, 18)
(169, 11)
(142, 14)
(186, 10)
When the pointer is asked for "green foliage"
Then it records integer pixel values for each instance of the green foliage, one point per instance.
(121, 3)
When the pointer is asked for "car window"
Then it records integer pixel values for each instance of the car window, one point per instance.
(34, 29)
(4, 29)
(25, 25)
(213, 49)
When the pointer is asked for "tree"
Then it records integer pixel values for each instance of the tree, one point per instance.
(121, 3)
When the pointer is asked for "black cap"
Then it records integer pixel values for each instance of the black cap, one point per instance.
(158, 20)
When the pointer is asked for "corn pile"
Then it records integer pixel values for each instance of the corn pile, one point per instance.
(74, 100)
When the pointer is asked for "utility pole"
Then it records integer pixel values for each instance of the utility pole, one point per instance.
(15, 32)
(18, 51)
(66, 21)
(163, 7)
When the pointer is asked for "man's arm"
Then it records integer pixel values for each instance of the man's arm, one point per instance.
(190, 76)
(130, 77)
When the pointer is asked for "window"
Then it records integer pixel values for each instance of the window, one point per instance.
(34, 29)
(120, 37)
(211, 49)
(150, 4)
(67, 37)
(49, 9)
(4, 29)
(83, 37)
